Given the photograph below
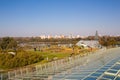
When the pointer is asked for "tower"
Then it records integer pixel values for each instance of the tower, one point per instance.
(96, 36)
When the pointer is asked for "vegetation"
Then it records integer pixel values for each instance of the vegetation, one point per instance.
(108, 41)
(19, 60)
(8, 43)
(27, 56)
(20, 57)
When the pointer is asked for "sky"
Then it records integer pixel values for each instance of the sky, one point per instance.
(22, 18)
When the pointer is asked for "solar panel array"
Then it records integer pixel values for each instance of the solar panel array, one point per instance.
(106, 67)
(110, 71)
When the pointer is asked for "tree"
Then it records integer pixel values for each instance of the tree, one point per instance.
(108, 41)
(8, 43)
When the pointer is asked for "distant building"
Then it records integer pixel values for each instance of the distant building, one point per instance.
(49, 36)
(42, 36)
(78, 36)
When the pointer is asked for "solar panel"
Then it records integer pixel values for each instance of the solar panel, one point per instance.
(109, 71)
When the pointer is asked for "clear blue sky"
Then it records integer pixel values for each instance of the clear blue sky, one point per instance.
(36, 17)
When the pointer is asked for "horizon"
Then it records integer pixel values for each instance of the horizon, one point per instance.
(28, 18)
(60, 36)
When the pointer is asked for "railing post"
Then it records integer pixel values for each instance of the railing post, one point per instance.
(27, 71)
(1, 77)
(40, 68)
(8, 75)
(21, 73)
(45, 69)
(36, 68)
(15, 74)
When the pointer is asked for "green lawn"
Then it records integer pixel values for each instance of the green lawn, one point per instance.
(52, 55)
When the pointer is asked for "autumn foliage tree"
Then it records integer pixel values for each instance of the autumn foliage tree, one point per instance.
(8, 43)
(19, 60)
(108, 41)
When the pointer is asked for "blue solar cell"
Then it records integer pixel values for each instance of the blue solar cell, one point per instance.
(75, 75)
(90, 78)
(112, 71)
(104, 68)
(58, 77)
(116, 67)
(100, 71)
(107, 66)
(108, 76)
(95, 74)
(73, 78)
(118, 78)
(111, 63)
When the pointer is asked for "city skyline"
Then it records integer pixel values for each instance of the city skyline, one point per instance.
(22, 18)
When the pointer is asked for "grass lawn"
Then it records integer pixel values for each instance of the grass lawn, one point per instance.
(51, 55)
(55, 53)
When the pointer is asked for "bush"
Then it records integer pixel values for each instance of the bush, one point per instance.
(19, 60)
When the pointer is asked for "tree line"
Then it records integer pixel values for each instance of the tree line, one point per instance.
(12, 42)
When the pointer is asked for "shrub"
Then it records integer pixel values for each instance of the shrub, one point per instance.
(19, 60)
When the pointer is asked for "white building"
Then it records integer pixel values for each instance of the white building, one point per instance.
(42, 36)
